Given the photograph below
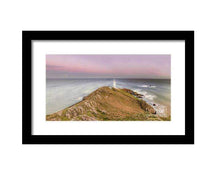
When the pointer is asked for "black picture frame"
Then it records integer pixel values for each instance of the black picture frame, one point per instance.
(28, 36)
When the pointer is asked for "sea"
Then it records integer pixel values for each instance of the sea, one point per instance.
(62, 93)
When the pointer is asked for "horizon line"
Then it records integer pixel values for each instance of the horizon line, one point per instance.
(112, 78)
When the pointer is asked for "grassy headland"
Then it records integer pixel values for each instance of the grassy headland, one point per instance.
(109, 104)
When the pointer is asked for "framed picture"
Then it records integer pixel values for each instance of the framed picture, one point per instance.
(108, 87)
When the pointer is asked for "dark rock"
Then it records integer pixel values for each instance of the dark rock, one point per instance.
(147, 107)
(139, 95)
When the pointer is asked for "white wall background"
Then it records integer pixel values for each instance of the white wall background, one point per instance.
(109, 161)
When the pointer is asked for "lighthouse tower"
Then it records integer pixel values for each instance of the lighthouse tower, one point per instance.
(114, 84)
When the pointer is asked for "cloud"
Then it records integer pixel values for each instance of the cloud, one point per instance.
(54, 67)
(109, 65)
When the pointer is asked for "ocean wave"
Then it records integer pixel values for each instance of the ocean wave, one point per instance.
(139, 91)
(147, 86)
(79, 98)
(150, 97)
(144, 86)
(161, 110)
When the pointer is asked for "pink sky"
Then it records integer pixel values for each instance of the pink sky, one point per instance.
(108, 66)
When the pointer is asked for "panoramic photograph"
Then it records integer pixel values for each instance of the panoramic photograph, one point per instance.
(108, 87)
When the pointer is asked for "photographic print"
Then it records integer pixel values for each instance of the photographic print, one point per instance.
(108, 87)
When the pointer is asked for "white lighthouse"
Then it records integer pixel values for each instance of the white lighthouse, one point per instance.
(114, 84)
